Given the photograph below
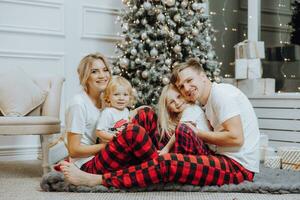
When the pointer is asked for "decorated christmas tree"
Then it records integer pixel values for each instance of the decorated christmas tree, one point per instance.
(295, 23)
(156, 35)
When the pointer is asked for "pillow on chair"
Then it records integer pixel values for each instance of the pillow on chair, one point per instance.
(19, 94)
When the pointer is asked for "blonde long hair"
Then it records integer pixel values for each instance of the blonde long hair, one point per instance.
(167, 120)
(84, 69)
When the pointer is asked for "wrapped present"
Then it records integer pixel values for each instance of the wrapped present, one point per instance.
(241, 69)
(290, 52)
(290, 157)
(250, 49)
(273, 162)
(248, 68)
(260, 86)
(254, 69)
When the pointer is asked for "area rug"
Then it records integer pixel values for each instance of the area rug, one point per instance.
(275, 181)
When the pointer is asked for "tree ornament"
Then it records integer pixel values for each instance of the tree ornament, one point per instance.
(169, 2)
(168, 62)
(177, 18)
(203, 61)
(165, 80)
(195, 6)
(177, 49)
(125, 1)
(125, 26)
(124, 62)
(210, 56)
(117, 70)
(145, 74)
(153, 52)
(208, 38)
(195, 31)
(133, 51)
(147, 5)
(191, 13)
(184, 4)
(161, 17)
(137, 61)
(186, 41)
(144, 36)
(181, 30)
(144, 21)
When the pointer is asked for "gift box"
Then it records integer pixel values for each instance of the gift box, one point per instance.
(250, 49)
(241, 69)
(290, 52)
(290, 157)
(260, 86)
(248, 68)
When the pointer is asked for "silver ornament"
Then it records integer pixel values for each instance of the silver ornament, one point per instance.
(117, 70)
(195, 31)
(147, 5)
(181, 31)
(169, 2)
(133, 51)
(153, 52)
(184, 4)
(177, 49)
(177, 18)
(144, 21)
(161, 17)
(195, 6)
(168, 61)
(165, 80)
(208, 38)
(203, 61)
(137, 61)
(210, 56)
(124, 62)
(125, 26)
(144, 36)
(186, 41)
(145, 74)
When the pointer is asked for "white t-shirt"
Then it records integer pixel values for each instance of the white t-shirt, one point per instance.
(226, 101)
(194, 113)
(110, 116)
(81, 118)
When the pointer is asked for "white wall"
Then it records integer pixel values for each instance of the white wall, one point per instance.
(51, 36)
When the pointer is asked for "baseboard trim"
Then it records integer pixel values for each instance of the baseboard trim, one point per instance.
(13, 153)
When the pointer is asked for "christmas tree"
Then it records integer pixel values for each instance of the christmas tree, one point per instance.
(158, 34)
(295, 23)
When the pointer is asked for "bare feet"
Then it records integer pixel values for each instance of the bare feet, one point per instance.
(77, 177)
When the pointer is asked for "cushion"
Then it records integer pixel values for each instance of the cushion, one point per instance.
(19, 94)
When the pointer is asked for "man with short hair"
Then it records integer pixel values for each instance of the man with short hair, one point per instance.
(235, 129)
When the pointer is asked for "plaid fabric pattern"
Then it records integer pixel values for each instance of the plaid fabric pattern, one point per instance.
(131, 147)
(147, 118)
(187, 142)
(188, 169)
(137, 143)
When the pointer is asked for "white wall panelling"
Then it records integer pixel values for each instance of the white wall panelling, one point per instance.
(32, 16)
(105, 17)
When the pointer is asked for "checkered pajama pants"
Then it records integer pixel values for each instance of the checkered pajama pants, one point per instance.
(189, 169)
(137, 145)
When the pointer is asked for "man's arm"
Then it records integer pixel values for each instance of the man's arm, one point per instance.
(231, 136)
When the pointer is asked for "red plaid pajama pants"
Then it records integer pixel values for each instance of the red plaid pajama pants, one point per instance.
(188, 169)
(136, 143)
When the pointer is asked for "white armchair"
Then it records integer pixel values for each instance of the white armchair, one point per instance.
(46, 122)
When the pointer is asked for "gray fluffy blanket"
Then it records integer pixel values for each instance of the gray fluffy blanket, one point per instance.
(274, 181)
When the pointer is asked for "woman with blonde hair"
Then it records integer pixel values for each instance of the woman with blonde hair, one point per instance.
(135, 143)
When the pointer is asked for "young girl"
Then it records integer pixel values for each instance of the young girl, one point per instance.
(173, 109)
(118, 96)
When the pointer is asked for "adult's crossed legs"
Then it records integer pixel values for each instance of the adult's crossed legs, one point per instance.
(187, 169)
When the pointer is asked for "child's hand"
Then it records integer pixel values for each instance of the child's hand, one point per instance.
(163, 151)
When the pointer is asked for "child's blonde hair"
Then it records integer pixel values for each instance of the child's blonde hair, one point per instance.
(113, 84)
(167, 120)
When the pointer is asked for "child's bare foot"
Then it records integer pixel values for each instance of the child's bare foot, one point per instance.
(77, 177)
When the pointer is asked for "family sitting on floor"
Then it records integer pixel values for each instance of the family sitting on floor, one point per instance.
(203, 134)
